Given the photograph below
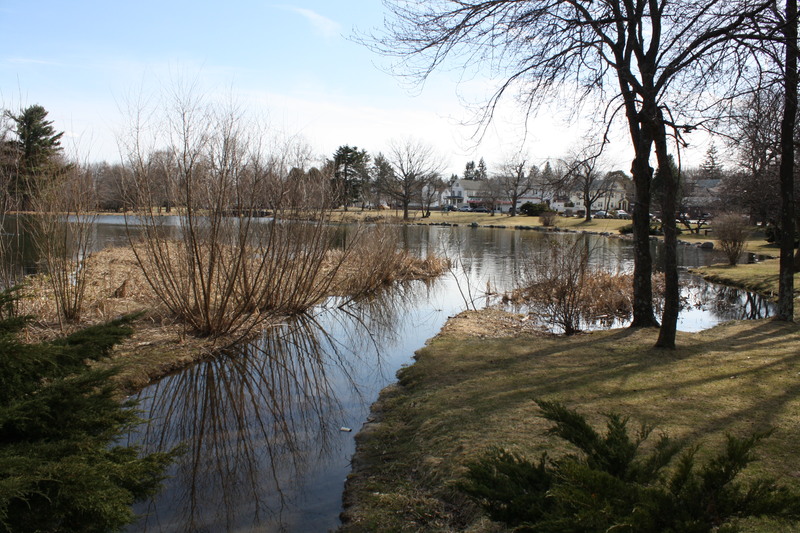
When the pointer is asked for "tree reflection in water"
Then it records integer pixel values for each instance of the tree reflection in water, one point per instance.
(726, 303)
(261, 424)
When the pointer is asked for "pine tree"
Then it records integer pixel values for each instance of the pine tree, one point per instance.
(35, 150)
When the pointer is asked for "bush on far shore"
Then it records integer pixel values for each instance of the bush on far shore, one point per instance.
(532, 210)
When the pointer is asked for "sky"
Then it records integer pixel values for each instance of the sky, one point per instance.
(296, 63)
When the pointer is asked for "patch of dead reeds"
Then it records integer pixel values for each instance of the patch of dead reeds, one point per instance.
(375, 261)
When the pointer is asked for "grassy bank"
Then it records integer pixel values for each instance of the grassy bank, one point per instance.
(761, 277)
(472, 387)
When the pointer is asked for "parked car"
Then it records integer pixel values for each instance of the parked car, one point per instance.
(465, 208)
(621, 213)
(600, 214)
(480, 209)
(449, 208)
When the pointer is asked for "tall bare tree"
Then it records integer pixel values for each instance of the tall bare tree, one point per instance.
(786, 275)
(414, 163)
(582, 175)
(516, 179)
(654, 53)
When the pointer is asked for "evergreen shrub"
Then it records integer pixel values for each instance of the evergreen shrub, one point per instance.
(62, 467)
(612, 484)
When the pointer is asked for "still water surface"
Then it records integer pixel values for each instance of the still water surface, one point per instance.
(269, 428)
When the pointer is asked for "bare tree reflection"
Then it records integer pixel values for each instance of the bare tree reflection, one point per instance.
(727, 303)
(260, 423)
(254, 423)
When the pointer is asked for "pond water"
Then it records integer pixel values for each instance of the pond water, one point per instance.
(269, 428)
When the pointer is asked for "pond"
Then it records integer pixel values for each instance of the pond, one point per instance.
(269, 428)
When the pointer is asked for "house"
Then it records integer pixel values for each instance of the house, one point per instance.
(463, 192)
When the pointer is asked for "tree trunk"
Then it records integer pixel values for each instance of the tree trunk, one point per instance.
(643, 315)
(669, 204)
(786, 275)
(641, 138)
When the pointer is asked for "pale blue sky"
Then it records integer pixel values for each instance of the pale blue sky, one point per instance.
(293, 61)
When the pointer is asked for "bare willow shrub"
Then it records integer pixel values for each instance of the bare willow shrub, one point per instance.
(548, 218)
(64, 235)
(561, 285)
(553, 279)
(10, 231)
(226, 267)
(731, 231)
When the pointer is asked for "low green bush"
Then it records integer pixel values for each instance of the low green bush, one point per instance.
(63, 466)
(613, 485)
(655, 229)
(533, 210)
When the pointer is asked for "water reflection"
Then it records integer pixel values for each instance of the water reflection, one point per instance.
(254, 424)
(725, 303)
(263, 425)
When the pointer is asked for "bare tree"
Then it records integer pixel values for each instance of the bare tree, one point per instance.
(413, 164)
(655, 53)
(582, 175)
(516, 179)
(431, 193)
(755, 136)
(492, 193)
(786, 173)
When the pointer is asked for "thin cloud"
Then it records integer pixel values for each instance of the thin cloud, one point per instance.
(326, 27)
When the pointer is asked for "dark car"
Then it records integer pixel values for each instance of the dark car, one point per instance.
(480, 209)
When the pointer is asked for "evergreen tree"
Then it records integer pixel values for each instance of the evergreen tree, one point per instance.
(350, 173)
(711, 168)
(61, 467)
(481, 172)
(35, 150)
(469, 171)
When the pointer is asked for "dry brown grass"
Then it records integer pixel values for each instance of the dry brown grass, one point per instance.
(374, 262)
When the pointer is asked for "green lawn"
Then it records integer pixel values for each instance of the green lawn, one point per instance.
(466, 393)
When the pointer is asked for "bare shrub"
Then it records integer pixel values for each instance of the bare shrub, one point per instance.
(227, 267)
(548, 218)
(64, 235)
(731, 231)
(561, 285)
(10, 232)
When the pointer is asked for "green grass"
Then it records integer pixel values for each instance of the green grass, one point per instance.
(465, 394)
(761, 277)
